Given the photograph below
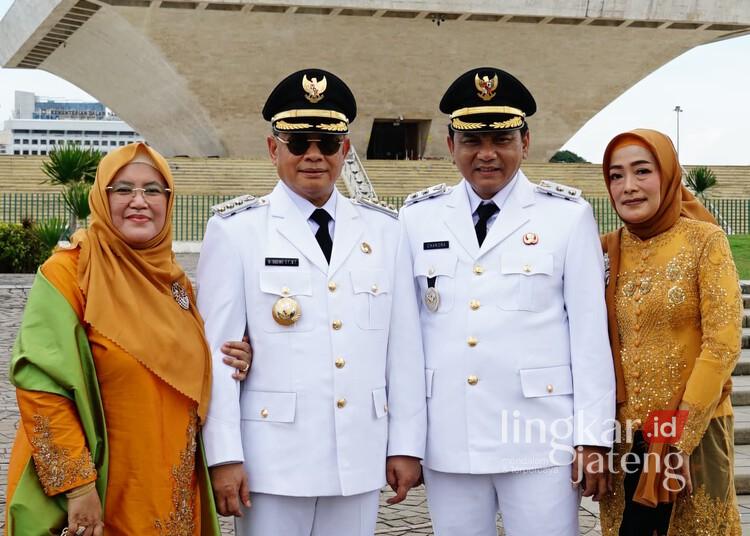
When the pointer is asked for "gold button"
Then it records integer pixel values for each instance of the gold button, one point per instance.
(340, 403)
(550, 388)
(365, 247)
(527, 268)
(340, 362)
(472, 380)
(264, 413)
(374, 289)
(471, 341)
(431, 271)
(474, 304)
(479, 270)
(331, 286)
(385, 408)
(336, 324)
(285, 291)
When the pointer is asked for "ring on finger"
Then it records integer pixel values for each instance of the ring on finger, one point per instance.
(245, 368)
(80, 531)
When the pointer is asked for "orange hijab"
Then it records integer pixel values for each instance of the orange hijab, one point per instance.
(676, 202)
(128, 289)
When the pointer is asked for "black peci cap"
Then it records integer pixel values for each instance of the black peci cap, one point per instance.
(487, 99)
(311, 100)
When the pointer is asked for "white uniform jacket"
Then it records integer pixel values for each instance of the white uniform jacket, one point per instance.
(328, 397)
(518, 363)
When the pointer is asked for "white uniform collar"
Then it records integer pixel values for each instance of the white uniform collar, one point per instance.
(499, 198)
(306, 208)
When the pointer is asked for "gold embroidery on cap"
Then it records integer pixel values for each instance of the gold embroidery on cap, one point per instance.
(335, 127)
(510, 123)
(486, 88)
(462, 125)
(283, 125)
(314, 89)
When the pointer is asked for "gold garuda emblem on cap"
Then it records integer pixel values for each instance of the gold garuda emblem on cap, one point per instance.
(486, 87)
(314, 89)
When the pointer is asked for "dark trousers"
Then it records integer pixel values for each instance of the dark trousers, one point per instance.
(637, 519)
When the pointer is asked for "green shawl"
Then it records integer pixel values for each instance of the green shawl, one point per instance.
(52, 354)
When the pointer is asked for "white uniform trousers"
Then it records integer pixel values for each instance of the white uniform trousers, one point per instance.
(531, 503)
(282, 515)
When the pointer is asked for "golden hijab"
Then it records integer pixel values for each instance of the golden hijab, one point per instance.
(676, 202)
(129, 289)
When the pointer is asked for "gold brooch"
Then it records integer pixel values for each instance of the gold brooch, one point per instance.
(486, 87)
(286, 311)
(314, 89)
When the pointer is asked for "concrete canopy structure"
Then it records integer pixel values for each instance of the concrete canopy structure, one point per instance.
(192, 76)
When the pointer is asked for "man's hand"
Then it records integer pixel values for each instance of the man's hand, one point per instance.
(402, 473)
(590, 471)
(230, 488)
(85, 515)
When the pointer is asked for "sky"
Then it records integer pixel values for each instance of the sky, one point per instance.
(710, 83)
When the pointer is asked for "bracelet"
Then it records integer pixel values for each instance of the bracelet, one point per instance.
(81, 490)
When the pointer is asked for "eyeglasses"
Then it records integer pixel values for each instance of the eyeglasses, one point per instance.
(128, 191)
(298, 144)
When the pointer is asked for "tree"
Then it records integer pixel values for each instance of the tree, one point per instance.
(568, 157)
(699, 180)
(74, 169)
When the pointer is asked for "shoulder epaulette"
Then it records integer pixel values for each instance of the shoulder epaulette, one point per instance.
(559, 190)
(238, 204)
(432, 191)
(380, 206)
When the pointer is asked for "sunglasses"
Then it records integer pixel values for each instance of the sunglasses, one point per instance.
(298, 144)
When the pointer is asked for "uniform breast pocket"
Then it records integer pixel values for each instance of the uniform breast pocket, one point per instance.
(525, 281)
(440, 265)
(372, 296)
(276, 285)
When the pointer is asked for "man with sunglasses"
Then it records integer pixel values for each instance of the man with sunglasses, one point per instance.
(334, 404)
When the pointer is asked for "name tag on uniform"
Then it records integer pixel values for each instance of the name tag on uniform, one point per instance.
(281, 261)
(443, 244)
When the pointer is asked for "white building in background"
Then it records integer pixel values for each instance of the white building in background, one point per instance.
(38, 125)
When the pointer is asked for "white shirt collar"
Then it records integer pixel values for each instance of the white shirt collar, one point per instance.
(306, 208)
(499, 198)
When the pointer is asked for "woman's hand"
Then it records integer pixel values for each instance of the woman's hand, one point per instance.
(238, 355)
(85, 515)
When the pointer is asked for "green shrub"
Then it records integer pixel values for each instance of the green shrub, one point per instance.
(50, 231)
(21, 251)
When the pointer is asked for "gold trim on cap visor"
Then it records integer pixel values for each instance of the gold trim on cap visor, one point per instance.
(487, 110)
(328, 114)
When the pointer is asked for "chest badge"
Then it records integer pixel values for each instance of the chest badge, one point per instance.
(286, 311)
(366, 248)
(431, 295)
(180, 296)
(531, 239)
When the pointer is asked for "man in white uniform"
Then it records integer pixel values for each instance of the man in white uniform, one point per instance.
(322, 285)
(518, 365)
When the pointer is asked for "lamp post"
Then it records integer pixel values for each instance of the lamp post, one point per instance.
(678, 110)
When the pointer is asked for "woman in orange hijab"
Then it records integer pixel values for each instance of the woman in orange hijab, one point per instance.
(113, 373)
(675, 314)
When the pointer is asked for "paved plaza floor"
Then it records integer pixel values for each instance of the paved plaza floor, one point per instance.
(407, 518)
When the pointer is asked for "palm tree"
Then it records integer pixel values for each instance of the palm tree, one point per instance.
(699, 180)
(73, 168)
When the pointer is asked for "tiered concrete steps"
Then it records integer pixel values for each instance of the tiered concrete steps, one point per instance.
(391, 178)
(741, 403)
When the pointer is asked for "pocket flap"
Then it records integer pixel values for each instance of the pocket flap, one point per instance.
(380, 402)
(283, 283)
(268, 406)
(373, 282)
(433, 263)
(547, 381)
(527, 263)
(428, 373)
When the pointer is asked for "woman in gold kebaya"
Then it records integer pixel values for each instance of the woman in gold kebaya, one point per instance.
(112, 372)
(675, 308)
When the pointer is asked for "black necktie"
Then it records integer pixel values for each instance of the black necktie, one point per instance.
(321, 217)
(485, 212)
